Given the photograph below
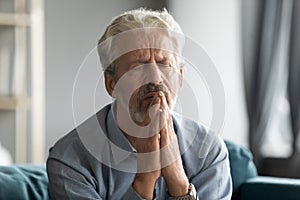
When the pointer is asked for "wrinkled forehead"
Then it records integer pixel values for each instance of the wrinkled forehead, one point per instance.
(142, 38)
(141, 54)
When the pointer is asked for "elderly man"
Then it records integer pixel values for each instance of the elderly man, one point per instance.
(138, 147)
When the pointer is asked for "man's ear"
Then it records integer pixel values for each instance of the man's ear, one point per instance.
(109, 83)
(180, 77)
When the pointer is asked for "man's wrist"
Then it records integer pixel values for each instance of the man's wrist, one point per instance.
(178, 189)
(191, 194)
(144, 189)
(177, 182)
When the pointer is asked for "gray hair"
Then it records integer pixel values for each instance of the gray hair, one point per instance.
(134, 19)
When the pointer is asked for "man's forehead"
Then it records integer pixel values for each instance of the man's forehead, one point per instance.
(142, 39)
(140, 53)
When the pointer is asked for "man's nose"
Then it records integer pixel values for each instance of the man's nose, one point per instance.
(154, 73)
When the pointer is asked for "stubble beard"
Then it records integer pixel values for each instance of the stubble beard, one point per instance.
(139, 110)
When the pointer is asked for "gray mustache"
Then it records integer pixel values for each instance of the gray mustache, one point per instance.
(151, 87)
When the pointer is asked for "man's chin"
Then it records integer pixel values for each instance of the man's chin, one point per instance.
(140, 119)
(141, 114)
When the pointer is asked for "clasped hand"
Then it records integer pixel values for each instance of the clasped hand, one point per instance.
(159, 155)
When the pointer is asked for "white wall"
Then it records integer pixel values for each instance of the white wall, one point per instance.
(72, 30)
(215, 25)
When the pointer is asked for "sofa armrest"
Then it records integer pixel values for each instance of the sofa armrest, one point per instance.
(241, 165)
(23, 182)
(262, 187)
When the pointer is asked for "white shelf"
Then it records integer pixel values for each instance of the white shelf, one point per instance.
(22, 102)
(11, 19)
(12, 103)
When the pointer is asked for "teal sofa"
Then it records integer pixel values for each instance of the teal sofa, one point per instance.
(30, 181)
(26, 182)
(247, 185)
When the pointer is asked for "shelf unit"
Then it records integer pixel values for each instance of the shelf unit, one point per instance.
(12, 103)
(20, 101)
(10, 19)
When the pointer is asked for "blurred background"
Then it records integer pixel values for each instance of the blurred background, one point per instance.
(253, 45)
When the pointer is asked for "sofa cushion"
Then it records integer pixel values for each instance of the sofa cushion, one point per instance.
(261, 188)
(23, 182)
(241, 165)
